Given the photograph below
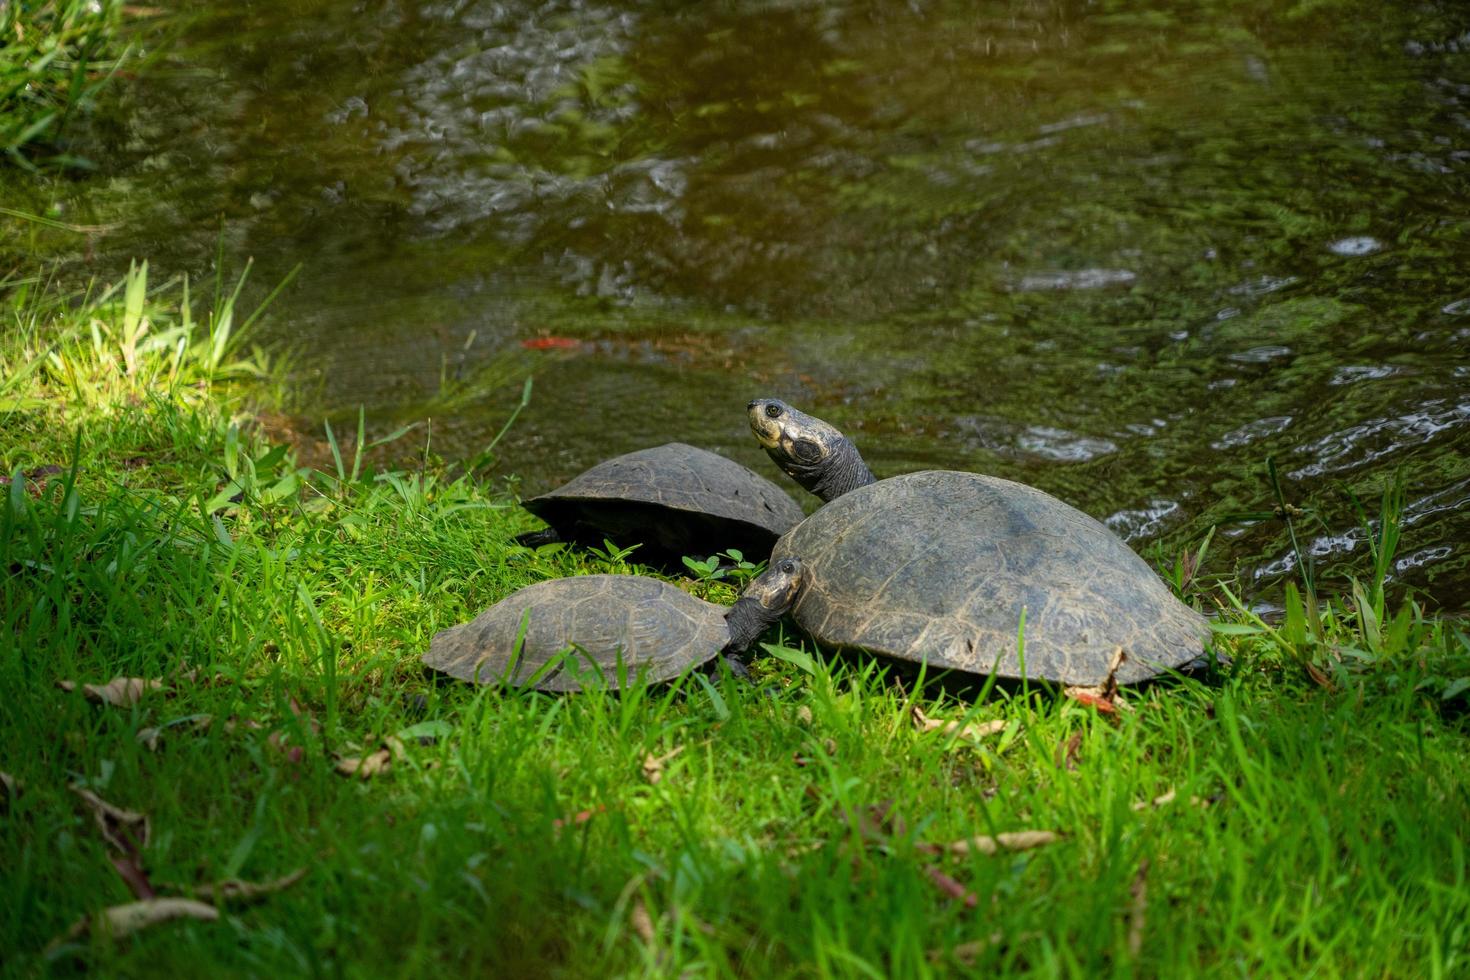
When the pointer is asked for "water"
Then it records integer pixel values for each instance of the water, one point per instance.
(1123, 251)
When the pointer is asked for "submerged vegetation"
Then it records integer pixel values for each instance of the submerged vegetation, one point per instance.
(1303, 808)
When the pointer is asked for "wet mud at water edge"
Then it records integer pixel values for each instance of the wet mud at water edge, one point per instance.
(1122, 251)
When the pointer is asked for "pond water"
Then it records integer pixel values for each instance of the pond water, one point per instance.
(1123, 251)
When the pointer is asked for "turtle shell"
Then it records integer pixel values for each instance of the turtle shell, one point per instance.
(675, 500)
(648, 625)
(940, 566)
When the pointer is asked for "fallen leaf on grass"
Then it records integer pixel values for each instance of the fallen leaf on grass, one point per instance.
(9, 790)
(304, 715)
(1319, 678)
(1020, 840)
(126, 830)
(366, 767)
(1138, 909)
(877, 822)
(233, 891)
(641, 922)
(120, 692)
(1069, 754)
(1104, 697)
(130, 868)
(975, 730)
(653, 766)
(1164, 799)
(293, 753)
(951, 887)
(966, 954)
(121, 921)
(580, 817)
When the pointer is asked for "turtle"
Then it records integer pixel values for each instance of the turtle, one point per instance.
(967, 572)
(673, 500)
(611, 627)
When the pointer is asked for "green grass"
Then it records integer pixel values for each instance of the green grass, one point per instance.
(1330, 838)
(55, 56)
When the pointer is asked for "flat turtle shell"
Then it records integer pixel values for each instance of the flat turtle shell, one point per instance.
(674, 500)
(939, 567)
(654, 627)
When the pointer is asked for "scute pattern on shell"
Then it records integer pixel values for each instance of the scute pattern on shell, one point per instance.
(683, 478)
(656, 627)
(936, 566)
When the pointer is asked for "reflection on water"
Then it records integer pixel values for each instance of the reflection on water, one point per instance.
(1122, 251)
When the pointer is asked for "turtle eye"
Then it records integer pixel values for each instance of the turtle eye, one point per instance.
(773, 411)
(787, 566)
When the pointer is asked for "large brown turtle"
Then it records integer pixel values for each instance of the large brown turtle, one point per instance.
(566, 634)
(673, 500)
(968, 572)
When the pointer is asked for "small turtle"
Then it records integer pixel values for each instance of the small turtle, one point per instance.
(967, 572)
(603, 622)
(674, 500)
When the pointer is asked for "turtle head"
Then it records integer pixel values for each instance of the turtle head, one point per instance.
(768, 597)
(810, 451)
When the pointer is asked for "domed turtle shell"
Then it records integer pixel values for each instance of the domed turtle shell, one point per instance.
(653, 626)
(674, 500)
(938, 566)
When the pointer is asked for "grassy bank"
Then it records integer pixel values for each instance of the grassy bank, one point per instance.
(1303, 813)
(55, 57)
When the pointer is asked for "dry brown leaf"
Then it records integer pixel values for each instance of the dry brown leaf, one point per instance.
(1104, 697)
(126, 830)
(966, 954)
(132, 873)
(1020, 840)
(1138, 909)
(367, 766)
(1319, 678)
(1069, 754)
(975, 730)
(951, 887)
(149, 738)
(1163, 799)
(642, 924)
(120, 692)
(9, 790)
(580, 817)
(121, 921)
(653, 766)
(233, 891)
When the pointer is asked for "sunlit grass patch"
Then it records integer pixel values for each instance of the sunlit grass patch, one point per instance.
(272, 617)
(55, 56)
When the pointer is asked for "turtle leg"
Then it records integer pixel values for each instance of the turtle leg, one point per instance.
(737, 669)
(535, 539)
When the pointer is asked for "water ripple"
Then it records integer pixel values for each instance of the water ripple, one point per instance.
(1368, 441)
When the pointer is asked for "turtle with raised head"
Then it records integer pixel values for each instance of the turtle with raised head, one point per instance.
(967, 572)
(673, 500)
(564, 634)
